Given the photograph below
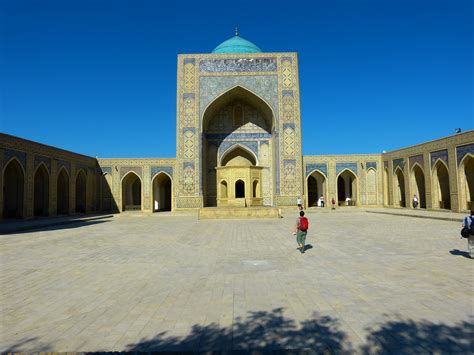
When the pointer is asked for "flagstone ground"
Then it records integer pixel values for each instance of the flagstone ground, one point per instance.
(370, 282)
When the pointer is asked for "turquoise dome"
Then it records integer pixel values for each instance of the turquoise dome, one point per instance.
(236, 44)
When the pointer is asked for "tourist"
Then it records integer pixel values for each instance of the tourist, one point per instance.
(321, 200)
(469, 224)
(415, 201)
(301, 229)
(348, 201)
(333, 203)
(298, 202)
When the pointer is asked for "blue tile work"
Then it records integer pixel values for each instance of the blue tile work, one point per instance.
(192, 129)
(439, 154)
(10, 153)
(398, 163)
(287, 93)
(385, 164)
(264, 86)
(106, 170)
(238, 65)
(66, 165)
(189, 60)
(286, 125)
(188, 95)
(188, 164)
(157, 169)
(322, 167)
(371, 164)
(126, 169)
(220, 136)
(417, 159)
(462, 150)
(287, 58)
(350, 166)
(252, 145)
(42, 159)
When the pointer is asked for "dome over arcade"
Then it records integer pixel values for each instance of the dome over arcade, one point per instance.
(236, 44)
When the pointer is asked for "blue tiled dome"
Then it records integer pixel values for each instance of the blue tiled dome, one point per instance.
(237, 44)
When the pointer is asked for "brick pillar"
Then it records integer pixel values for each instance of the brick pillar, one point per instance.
(53, 188)
(29, 186)
(427, 171)
(453, 179)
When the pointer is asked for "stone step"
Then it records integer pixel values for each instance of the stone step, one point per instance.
(238, 212)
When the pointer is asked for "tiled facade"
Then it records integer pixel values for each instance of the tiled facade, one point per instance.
(248, 101)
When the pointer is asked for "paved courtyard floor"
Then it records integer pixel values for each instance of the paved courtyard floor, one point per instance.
(371, 283)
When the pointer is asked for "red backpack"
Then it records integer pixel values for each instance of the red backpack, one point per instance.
(303, 224)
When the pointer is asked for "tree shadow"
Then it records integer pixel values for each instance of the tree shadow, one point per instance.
(410, 337)
(260, 331)
(20, 346)
(460, 253)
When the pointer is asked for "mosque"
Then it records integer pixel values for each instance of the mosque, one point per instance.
(238, 148)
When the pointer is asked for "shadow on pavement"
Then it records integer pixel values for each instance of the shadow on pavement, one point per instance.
(20, 227)
(271, 331)
(460, 253)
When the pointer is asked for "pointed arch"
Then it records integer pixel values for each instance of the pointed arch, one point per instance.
(241, 92)
(248, 154)
(13, 189)
(417, 178)
(316, 187)
(81, 191)
(132, 191)
(466, 182)
(239, 189)
(440, 185)
(347, 192)
(386, 201)
(162, 196)
(62, 193)
(399, 187)
(41, 190)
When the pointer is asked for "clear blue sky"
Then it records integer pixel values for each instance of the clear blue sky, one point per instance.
(99, 77)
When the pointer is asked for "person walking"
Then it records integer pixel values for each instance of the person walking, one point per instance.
(333, 203)
(469, 225)
(415, 201)
(298, 202)
(301, 229)
(322, 200)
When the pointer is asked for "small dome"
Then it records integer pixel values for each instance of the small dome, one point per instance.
(236, 44)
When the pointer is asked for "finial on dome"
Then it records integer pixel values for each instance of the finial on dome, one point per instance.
(236, 31)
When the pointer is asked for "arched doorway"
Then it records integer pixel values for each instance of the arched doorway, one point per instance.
(63, 192)
(240, 113)
(418, 185)
(13, 190)
(224, 193)
(399, 191)
(162, 192)
(81, 183)
(131, 192)
(239, 189)
(347, 188)
(255, 189)
(41, 192)
(316, 187)
(466, 176)
(441, 192)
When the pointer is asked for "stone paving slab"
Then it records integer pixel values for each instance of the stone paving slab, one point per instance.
(371, 283)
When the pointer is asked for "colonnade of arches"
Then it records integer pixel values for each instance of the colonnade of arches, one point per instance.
(440, 185)
(14, 191)
(132, 192)
(346, 189)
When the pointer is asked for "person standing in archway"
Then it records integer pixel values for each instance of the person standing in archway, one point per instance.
(333, 203)
(322, 201)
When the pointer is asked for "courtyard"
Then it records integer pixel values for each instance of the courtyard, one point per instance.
(368, 283)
